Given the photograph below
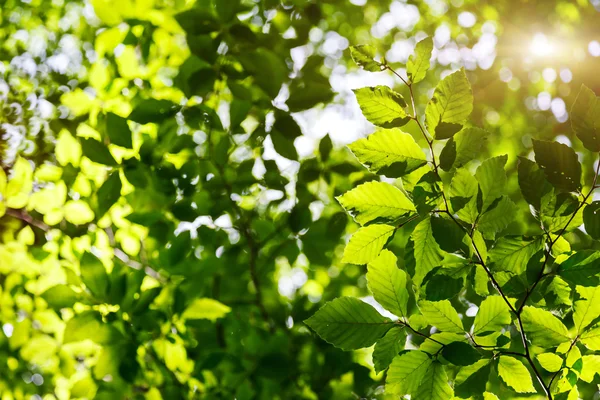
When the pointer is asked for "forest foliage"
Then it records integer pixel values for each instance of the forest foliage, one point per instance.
(180, 217)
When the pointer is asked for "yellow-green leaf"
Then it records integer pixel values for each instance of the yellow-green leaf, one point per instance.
(388, 283)
(366, 244)
(515, 375)
(205, 308)
(451, 105)
(382, 106)
(442, 315)
(389, 152)
(376, 201)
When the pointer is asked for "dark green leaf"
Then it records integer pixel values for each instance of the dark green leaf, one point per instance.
(153, 110)
(97, 152)
(93, 275)
(585, 118)
(460, 353)
(560, 164)
(118, 130)
(591, 219)
(108, 194)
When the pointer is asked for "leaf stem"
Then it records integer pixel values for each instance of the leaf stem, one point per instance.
(416, 332)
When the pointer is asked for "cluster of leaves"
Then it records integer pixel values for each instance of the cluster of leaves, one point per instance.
(470, 303)
(142, 244)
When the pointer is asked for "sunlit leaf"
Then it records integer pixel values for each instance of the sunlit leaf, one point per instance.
(349, 323)
(366, 243)
(376, 201)
(515, 374)
(389, 152)
(382, 106)
(451, 105)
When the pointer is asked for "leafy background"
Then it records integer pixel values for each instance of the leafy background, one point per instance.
(168, 213)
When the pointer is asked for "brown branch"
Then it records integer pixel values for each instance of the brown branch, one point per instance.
(27, 218)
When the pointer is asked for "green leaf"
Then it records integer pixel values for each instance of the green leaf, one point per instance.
(388, 347)
(418, 64)
(238, 111)
(591, 368)
(308, 95)
(451, 105)
(93, 275)
(389, 152)
(325, 147)
(532, 182)
(108, 194)
(498, 217)
(512, 253)
(376, 201)
(492, 180)
(550, 362)
(227, 9)
(480, 282)
(407, 372)
(448, 235)
(427, 252)
(585, 118)
(349, 323)
(434, 385)
(591, 338)
(205, 308)
(267, 68)
(515, 374)
(560, 164)
(543, 328)
(60, 296)
(284, 146)
(382, 106)
(587, 310)
(472, 379)
(97, 152)
(363, 55)
(153, 110)
(442, 315)
(582, 268)
(591, 219)
(463, 195)
(463, 147)
(443, 287)
(366, 244)
(89, 325)
(492, 316)
(460, 353)
(388, 283)
(118, 130)
(438, 340)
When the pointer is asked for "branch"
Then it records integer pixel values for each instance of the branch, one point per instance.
(553, 241)
(416, 332)
(470, 234)
(28, 219)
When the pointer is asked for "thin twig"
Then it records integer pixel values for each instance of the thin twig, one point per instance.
(416, 332)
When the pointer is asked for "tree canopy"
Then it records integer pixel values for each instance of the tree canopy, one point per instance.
(300, 199)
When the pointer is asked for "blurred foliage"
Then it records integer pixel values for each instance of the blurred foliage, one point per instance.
(167, 214)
